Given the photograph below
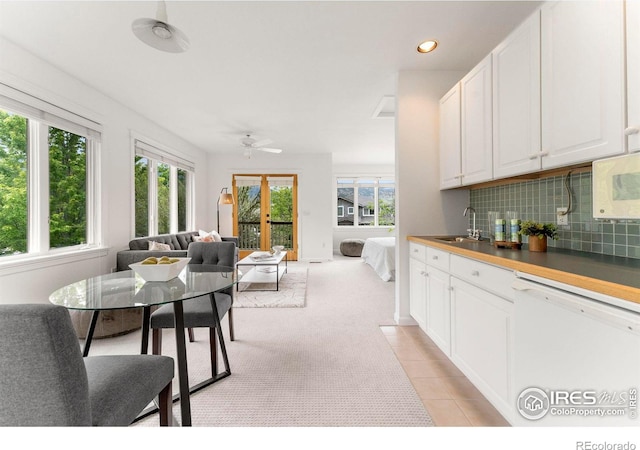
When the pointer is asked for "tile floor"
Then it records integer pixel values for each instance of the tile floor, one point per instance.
(447, 394)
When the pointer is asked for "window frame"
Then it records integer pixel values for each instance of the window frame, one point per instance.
(357, 182)
(41, 115)
(156, 154)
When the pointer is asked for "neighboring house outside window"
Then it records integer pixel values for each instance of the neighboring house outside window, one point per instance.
(372, 197)
(49, 191)
(163, 191)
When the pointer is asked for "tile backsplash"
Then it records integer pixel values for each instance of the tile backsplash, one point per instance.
(539, 199)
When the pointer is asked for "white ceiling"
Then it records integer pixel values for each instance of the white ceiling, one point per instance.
(308, 75)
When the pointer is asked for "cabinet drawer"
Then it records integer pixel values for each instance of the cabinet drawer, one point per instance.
(485, 276)
(438, 258)
(417, 251)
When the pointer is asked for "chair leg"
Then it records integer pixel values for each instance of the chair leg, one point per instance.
(213, 347)
(191, 335)
(165, 403)
(156, 341)
(231, 334)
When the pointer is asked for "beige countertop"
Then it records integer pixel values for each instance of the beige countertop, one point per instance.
(609, 275)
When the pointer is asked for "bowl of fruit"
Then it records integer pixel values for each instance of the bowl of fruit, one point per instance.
(159, 269)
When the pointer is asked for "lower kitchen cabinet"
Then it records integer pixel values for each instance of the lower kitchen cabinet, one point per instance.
(418, 291)
(439, 309)
(481, 330)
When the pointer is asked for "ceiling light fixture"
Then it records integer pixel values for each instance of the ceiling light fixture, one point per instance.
(427, 46)
(159, 34)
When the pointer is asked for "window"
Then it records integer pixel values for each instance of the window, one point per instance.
(369, 202)
(163, 191)
(48, 178)
(340, 211)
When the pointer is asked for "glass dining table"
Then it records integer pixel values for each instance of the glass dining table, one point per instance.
(126, 289)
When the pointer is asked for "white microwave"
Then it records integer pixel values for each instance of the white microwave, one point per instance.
(616, 187)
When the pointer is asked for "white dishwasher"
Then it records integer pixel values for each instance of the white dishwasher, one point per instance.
(576, 359)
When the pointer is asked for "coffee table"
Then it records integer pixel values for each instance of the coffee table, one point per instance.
(265, 269)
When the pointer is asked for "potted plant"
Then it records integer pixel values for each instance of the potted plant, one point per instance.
(538, 233)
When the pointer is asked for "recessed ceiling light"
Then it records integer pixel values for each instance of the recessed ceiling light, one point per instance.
(428, 46)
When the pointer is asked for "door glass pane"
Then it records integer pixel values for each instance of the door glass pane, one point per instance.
(13, 183)
(249, 198)
(164, 212)
(281, 216)
(142, 196)
(67, 188)
(182, 200)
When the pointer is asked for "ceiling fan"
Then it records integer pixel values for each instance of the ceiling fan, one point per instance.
(249, 144)
(159, 34)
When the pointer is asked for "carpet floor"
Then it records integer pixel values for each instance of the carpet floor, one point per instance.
(327, 364)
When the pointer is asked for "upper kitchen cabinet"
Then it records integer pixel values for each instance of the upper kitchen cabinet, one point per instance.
(465, 130)
(516, 101)
(582, 81)
(450, 166)
(476, 131)
(633, 75)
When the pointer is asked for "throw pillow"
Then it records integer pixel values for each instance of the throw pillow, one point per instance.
(158, 246)
(208, 238)
(214, 234)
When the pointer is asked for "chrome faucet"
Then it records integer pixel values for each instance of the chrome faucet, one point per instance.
(474, 233)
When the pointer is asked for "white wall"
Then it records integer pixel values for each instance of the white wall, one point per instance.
(314, 194)
(21, 70)
(421, 208)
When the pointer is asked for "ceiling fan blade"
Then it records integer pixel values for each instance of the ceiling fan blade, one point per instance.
(270, 150)
(261, 143)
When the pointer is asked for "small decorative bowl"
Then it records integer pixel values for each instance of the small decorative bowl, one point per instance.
(277, 248)
(159, 272)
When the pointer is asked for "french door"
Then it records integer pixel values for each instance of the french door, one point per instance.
(266, 213)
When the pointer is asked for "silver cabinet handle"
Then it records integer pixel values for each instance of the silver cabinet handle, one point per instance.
(632, 130)
(435, 257)
(475, 273)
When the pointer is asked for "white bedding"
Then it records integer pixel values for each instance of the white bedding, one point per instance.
(380, 253)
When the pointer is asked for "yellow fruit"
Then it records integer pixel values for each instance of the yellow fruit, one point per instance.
(165, 258)
(164, 262)
(147, 262)
(174, 260)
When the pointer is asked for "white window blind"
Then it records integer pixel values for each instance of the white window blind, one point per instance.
(280, 181)
(247, 180)
(149, 151)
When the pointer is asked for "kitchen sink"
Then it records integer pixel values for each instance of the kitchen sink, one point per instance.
(457, 239)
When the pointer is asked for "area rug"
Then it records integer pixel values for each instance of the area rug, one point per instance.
(291, 293)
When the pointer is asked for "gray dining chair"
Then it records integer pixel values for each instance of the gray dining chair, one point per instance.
(198, 312)
(45, 381)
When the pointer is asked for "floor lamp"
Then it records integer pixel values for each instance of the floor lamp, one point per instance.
(224, 199)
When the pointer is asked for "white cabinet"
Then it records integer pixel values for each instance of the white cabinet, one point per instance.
(633, 75)
(438, 308)
(516, 101)
(574, 345)
(418, 291)
(582, 63)
(476, 130)
(465, 130)
(482, 328)
(450, 165)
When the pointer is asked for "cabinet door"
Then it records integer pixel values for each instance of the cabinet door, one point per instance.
(516, 101)
(450, 169)
(633, 75)
(476, 142)
(582, 81)
(439, 309)
(481, 329)
(417, 291)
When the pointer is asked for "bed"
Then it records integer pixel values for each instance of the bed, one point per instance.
(380, 253)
